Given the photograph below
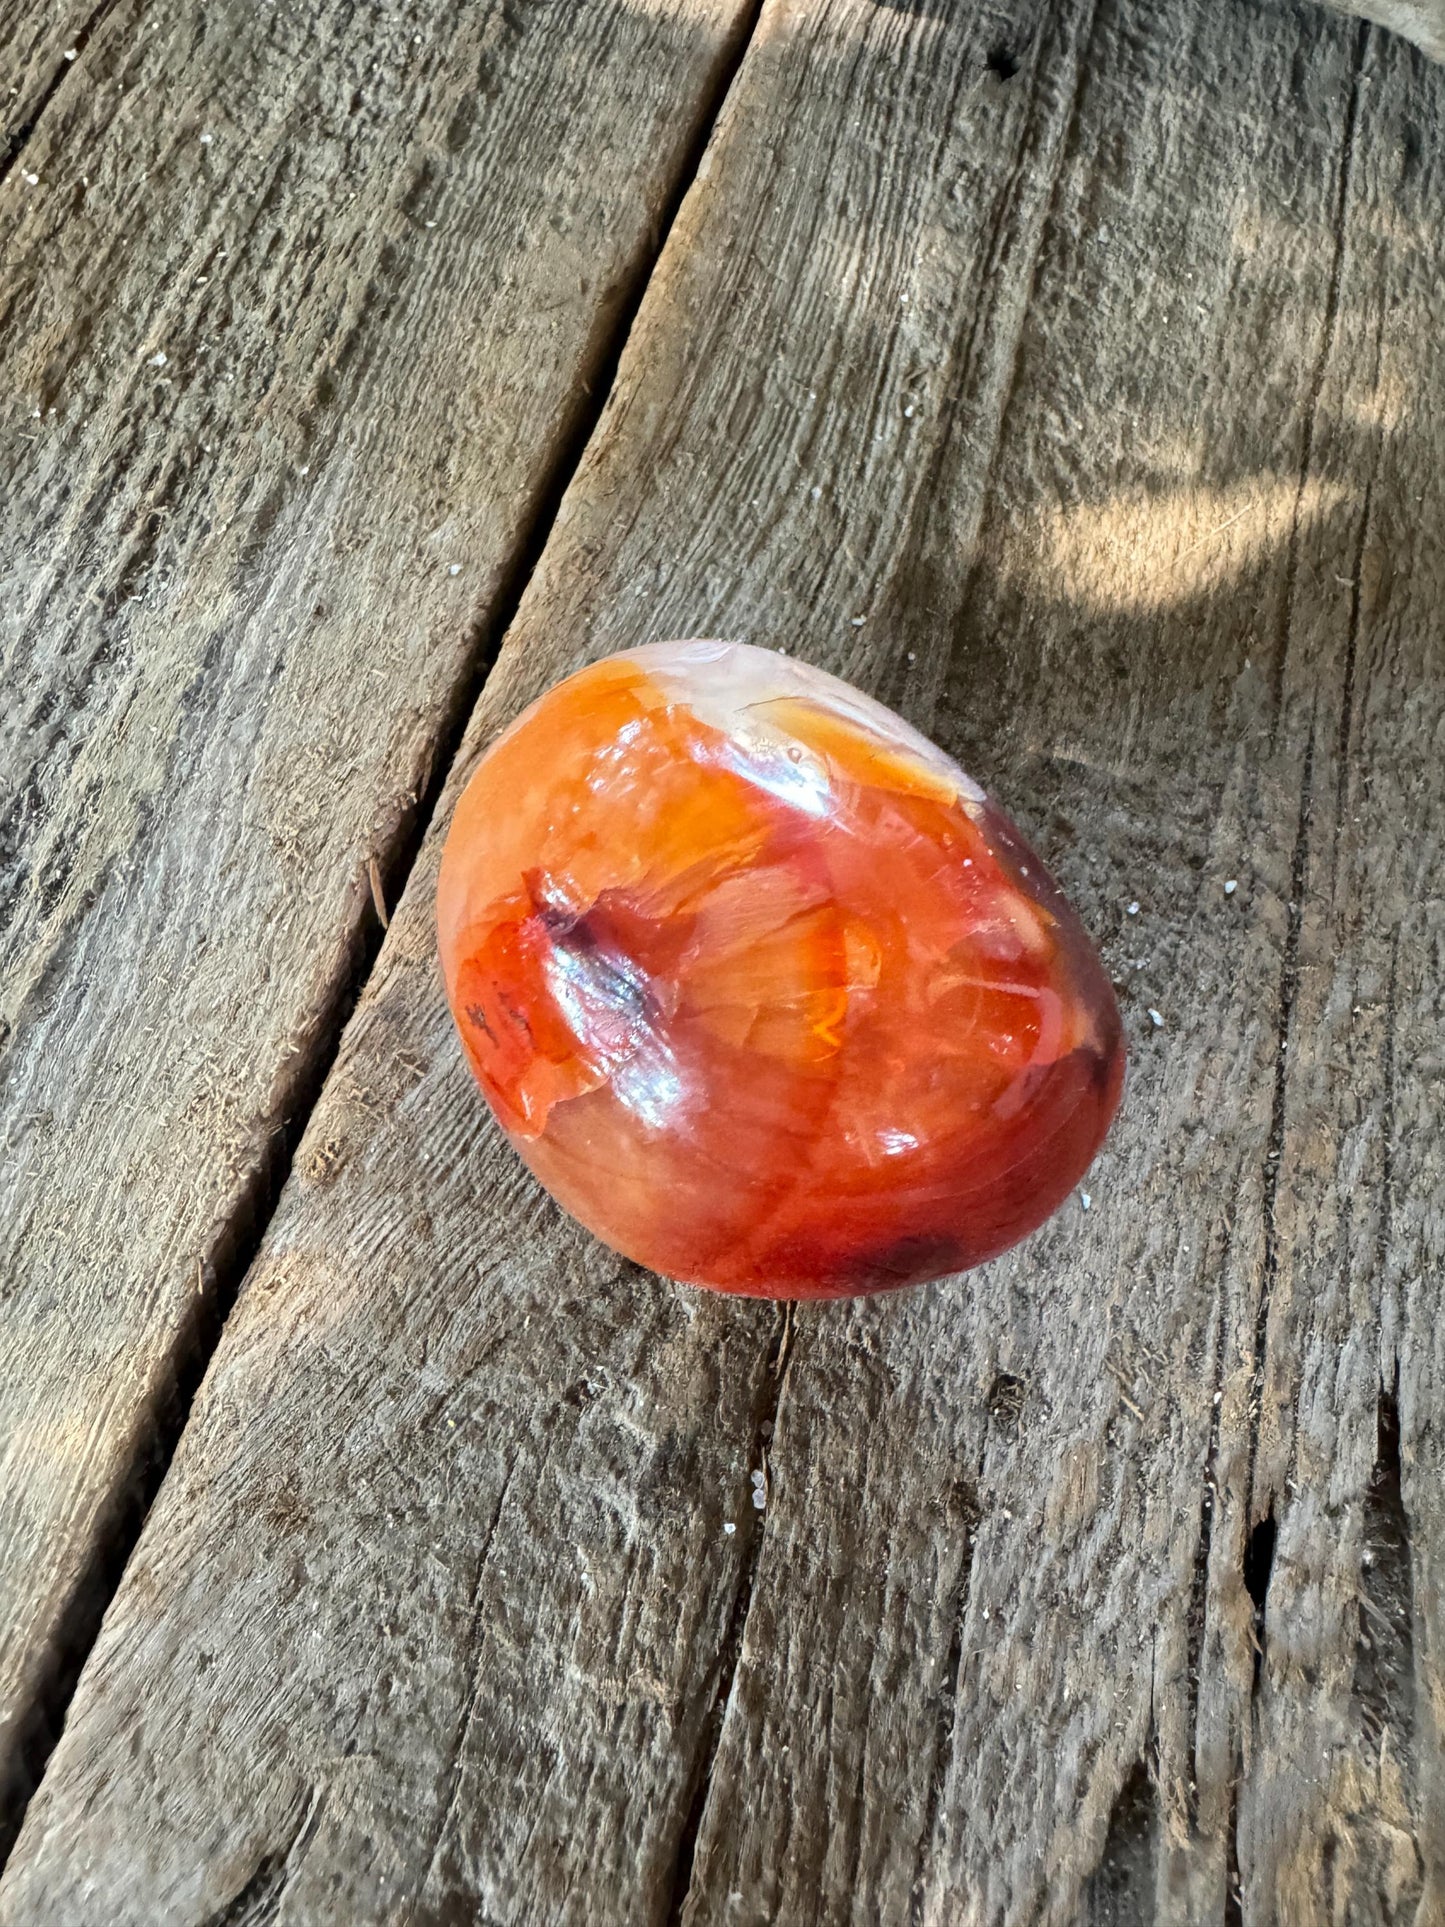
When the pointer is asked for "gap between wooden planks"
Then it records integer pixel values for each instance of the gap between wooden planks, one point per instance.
(306, 313)
(1093, 417)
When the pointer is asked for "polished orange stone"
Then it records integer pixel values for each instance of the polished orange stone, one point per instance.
(761, 985)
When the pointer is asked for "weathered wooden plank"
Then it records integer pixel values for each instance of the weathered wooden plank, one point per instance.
(298, 317)
(1358, 336)
(1343, 1813)
(436, 1616)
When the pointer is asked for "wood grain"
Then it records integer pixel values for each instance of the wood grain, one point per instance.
(300, 310)
(1343, 1814)
(1069, 376)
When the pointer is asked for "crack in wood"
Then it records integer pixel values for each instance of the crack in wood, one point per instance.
(1386, 1687)
(1317, 377)
(394, 852)
(1395, 1684)
(1258, 1571)
(948, 1699)
(20, 139)
(258, 1901)
(448, 1803)
(1387, 1587)
(855, 1816)
(1386, 1225)
(1274, 1152)
(1233, 1915)
(1259, 1549)
(1299, 860)
(1198, 1609)
(773, 1384)
(1347, 693)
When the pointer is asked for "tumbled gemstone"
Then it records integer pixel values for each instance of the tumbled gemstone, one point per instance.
(762, 986)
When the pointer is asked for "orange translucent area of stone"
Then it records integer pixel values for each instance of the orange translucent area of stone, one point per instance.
(760, 989)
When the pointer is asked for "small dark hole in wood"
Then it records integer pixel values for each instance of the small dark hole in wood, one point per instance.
(1002, 63)
(1385, 1671)
(1259, 1562)
(1006, 1398)
(1233, 1894)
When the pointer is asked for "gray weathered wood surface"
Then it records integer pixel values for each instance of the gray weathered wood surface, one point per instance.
(298, 313)
(1095, 417)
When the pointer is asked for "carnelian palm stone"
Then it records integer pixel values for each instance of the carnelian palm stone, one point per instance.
(761, 986)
